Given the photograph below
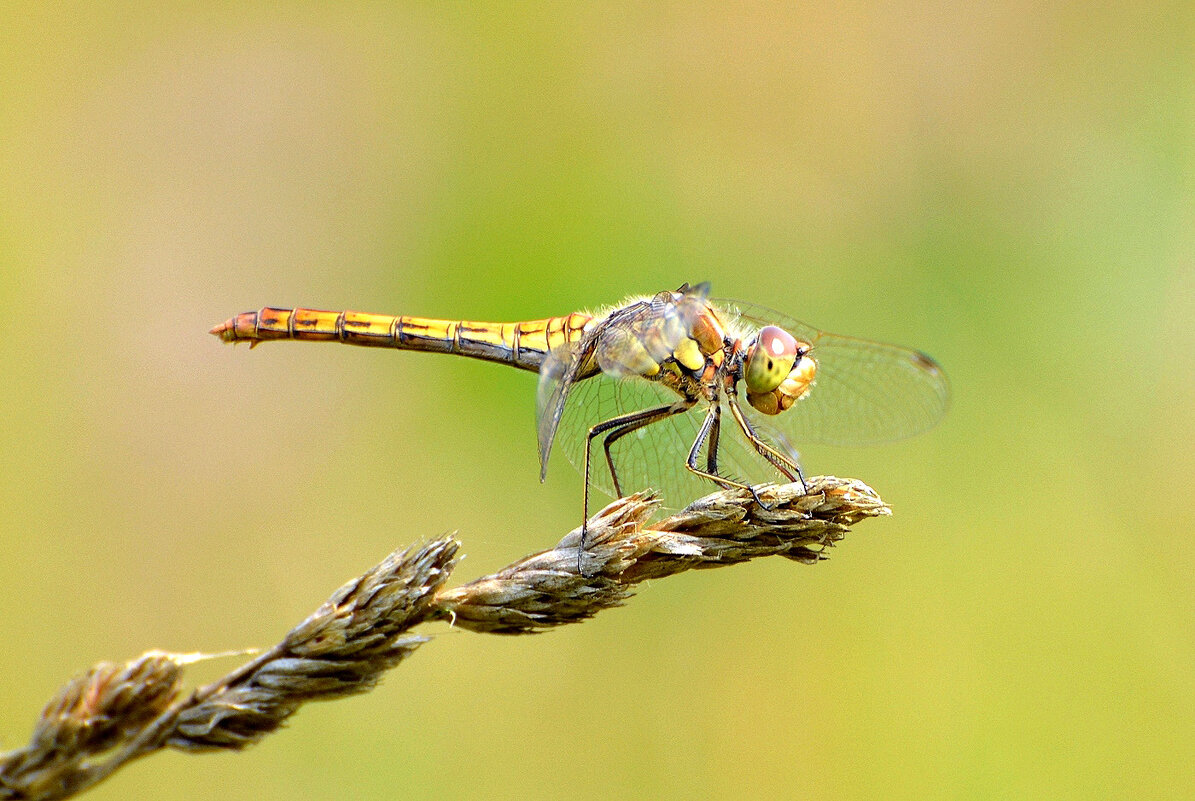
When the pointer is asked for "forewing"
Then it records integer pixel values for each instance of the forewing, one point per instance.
(865, 392)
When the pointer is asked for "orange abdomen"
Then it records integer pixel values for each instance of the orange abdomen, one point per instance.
(523, 344)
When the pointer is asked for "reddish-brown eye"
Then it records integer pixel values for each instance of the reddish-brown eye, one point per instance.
(769, 359)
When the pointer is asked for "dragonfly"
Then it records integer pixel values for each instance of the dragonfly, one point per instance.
(655, 377)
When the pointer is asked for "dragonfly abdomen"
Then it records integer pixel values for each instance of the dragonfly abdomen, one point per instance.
(522, 344)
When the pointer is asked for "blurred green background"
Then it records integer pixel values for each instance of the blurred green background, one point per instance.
(1007, 186)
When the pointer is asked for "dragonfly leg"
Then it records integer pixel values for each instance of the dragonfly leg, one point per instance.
(711, 453)
(790, 469)
(711, 456)
(711, 425)
(619, 427)
(630, 423)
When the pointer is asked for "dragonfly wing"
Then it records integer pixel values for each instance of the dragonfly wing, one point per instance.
(865, 392)
(559, 373)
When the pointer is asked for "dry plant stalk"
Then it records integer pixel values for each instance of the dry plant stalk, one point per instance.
(113, 713)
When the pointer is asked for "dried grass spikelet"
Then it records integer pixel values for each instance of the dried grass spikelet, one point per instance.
(115, 713)
(544, 590)
(93, 713)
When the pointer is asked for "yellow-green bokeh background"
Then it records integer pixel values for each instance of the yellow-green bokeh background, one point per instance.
(1005, 185)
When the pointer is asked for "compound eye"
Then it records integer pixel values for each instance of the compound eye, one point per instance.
(769, 359)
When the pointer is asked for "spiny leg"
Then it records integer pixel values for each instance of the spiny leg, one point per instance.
(785, 465)
(619, 427)
(712, 421)
(634, 422)
(711, 452)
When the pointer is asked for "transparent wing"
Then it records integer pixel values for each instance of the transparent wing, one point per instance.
(628, 342)
(555, 384)
(865, 392)
(654, 456)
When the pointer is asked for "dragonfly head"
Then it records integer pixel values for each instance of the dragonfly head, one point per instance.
(770, 357)
(778, 371)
